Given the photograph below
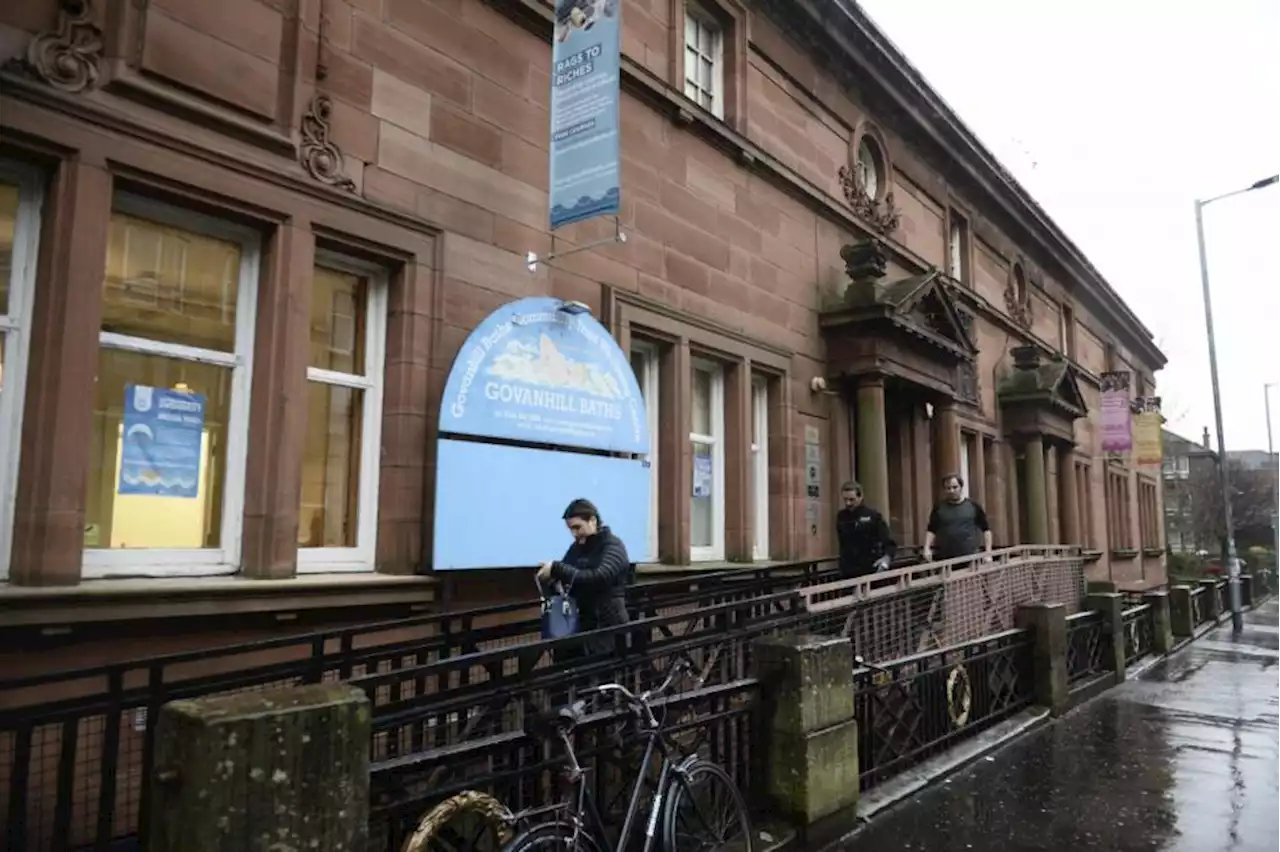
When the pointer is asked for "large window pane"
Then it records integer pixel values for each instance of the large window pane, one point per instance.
(331, 467)
(337, 321)
(8, 222)
(702, 381)
(703, 505)
(173, 475)
(170, 285)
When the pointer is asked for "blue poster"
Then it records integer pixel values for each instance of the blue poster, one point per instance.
(584, 110)
(543, 371)
(161, 446)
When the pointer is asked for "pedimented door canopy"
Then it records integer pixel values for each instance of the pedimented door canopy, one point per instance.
(1040, 396)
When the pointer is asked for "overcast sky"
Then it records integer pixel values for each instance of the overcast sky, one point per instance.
(1116, 115)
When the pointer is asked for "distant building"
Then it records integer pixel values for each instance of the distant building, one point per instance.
(1186, 466)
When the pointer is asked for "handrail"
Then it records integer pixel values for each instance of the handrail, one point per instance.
(840, 593)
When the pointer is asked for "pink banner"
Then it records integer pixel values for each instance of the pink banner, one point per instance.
(1117, 415)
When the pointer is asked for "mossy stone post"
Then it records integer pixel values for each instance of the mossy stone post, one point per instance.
(1161, 621)
(1181, 618)
(1111, 607)
(1047, 624)
(1209, 599)
(263, 772)
(1246, 590)
(808, 733)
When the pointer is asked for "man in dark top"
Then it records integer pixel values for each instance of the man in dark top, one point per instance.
(957, 525)
(866, 544)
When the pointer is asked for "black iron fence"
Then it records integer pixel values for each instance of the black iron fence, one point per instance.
(913, 708)
(1139, 633)
(1088, 646)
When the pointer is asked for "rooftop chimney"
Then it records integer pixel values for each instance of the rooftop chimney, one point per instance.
(1206, 438)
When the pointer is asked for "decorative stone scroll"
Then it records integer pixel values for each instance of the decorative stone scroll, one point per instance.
(968, 383)
(882, 215)
(318, 154)
(67, 59)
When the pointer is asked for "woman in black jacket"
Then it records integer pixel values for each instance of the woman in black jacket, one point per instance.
(595, 572)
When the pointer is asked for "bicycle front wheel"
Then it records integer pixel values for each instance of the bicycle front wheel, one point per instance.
(705, 812)
(553, 837)
(470, 821)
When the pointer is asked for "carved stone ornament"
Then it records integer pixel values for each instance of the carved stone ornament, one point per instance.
(968, 383)
(864, 262)
(67, 59)
(318, 155)
(1019, 309)
(882, 216)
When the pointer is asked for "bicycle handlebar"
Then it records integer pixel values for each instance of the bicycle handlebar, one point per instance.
(642, 700)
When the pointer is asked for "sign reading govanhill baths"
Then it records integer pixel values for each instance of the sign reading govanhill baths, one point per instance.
(541, 371)
(545, 379)
(584, 110)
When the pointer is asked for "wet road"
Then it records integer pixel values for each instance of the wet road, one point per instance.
(1182, 760)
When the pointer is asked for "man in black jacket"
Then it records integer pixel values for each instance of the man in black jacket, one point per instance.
(595, 571)
(866, 544)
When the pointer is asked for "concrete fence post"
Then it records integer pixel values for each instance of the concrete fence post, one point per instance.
(1246, 590)
(1181, 618)
(1047, 623)
(1161, 621)
(1111, 606)
(1209, 599)
(263, 772)
(808, 731)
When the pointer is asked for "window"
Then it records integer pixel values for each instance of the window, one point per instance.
(1019, 284)
(707, 439)
(645, 364)
(958, 248)
(165, 486)
(966, 439)
(1067, 331)
(870, 166)
(704, 61)
(760, 465)
(338, 518)
(1084, 504)
(1119, 511)
(20, 191)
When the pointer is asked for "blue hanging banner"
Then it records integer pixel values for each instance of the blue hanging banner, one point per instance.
(541, 371)
(584, 110)
(161, 446)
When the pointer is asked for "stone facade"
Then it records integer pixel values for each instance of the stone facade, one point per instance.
(411, 135)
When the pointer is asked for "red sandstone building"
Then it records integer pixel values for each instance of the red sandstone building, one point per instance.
(302, 207)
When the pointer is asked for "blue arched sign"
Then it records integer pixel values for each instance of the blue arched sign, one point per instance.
(541, 370)
(538, 371)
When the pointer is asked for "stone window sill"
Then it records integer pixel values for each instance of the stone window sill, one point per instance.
(1124, 553)
(1153, 551)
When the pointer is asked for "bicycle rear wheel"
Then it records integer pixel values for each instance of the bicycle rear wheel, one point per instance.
(470, 821)
(553, 837)
(705, 812)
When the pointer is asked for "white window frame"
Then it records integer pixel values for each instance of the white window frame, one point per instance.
(703, 21)
(15, 326)
(107, 562)
(957, 239)
(363, 556)
(760, 466)
(715, 440)
(648, 381)
(875, 163)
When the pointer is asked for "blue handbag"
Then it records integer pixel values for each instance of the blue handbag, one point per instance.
(559, 612)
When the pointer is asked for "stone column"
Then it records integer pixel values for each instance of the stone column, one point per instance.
(1111, 605)
(810, 736)
(676, 471)
(1037, 495)
(873, 449)
(1051, 494)
(1047, 623)
(57, 422)
(1016, 534)
(1181, 619)
(739, 504)
(283, 769)
(1161, 625)
(1069, 498)
(946, 437)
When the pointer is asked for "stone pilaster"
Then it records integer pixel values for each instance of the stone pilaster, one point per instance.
(1047, 623)
(873, 441)
(1037, 495)
(1068, 499)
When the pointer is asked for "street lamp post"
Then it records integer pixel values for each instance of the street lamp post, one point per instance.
(1224, 480)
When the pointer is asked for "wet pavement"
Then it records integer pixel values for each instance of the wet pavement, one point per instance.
(1183, 759)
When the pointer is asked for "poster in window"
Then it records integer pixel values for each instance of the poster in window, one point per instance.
(161, 445)
(701, 476)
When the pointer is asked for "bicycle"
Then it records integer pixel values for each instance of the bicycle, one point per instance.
(575, 824)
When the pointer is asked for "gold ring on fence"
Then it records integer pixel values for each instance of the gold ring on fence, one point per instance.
(468, 801)
(958, 679)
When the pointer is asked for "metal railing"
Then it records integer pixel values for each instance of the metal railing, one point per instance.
(913, 708)
(1088, 646)
(1139, 633)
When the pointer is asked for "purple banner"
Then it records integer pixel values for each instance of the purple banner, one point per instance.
(1117, 413)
